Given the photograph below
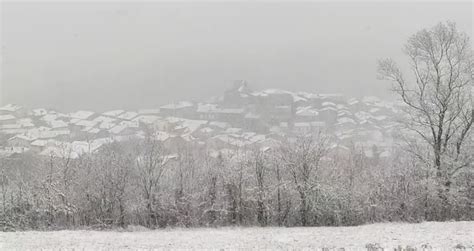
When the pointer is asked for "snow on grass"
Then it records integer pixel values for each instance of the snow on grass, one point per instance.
(437, 235)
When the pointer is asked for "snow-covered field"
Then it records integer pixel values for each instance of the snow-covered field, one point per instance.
(388, 235)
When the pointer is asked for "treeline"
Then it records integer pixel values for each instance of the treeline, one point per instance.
(302, 182)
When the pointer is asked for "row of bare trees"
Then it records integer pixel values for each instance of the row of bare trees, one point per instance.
(300, 183)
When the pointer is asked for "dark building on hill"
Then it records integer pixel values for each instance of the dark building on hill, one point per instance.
(238, 96)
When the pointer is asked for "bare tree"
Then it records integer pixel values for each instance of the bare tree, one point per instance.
(212, 176)
(151, 163)
(67, 173)
(58, 181)
(4, 182)
(302, 157)
(235, 183)
(283, 205)
(439, 101)
(260, 168)
(115, 163)
(184, 171)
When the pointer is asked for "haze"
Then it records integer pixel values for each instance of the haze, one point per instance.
(142, 55)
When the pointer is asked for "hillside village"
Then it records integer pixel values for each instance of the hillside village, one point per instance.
(240, 118)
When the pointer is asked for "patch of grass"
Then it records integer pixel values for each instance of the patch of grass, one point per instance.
(459, 247)
(426, 247)
(407, 248)
(373, 247)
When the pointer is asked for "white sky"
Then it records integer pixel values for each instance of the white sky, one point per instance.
(130, 55)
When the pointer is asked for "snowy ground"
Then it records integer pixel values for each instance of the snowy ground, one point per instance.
(388, 235)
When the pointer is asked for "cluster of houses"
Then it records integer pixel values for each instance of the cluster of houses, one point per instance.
(241, 118)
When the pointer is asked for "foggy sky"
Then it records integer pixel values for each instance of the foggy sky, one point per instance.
(141, 55)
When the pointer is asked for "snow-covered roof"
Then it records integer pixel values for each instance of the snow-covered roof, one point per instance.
(103, 119)
(346, 120)
(308, 95)
(97, 143)
(52, 133)
(336, 147)
(122, 126)
(6, 117)
(353, 101)
(380, 117)
(385, 154)
(113, 113)
(361, 115)
(149, 111)
(341, 107)
(344, 113)
(188, 137)
(331, 95)
(128, 115)
(251, 115)
(206, 130)
(256, 138)
(92, 130)
(243, 87)
(81, 114)
(23, 137)
(327, 103)
(302, 124)
(345, 136)
(318, 123)
(25, 122)
(191, 125)
(371, 99)
(248, 135)
(86, 123)
(10, 108)
(80, 147)
(147, 119)
(39, 142)
(57, 124)
(233, 130)
(8, 151)
(49, 117)
(328, 108)
(266, 92)
(106, 125)
(231, 110)
(161, 136)
(374, 110)
(270, 142)
(132, 124)
(207, 108)
(269, 92)
(10, 126)
(222, 125)
(179, 105)
(306, 111)
(117, 129)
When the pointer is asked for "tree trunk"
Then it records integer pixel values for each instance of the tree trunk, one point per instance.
(303, 209)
